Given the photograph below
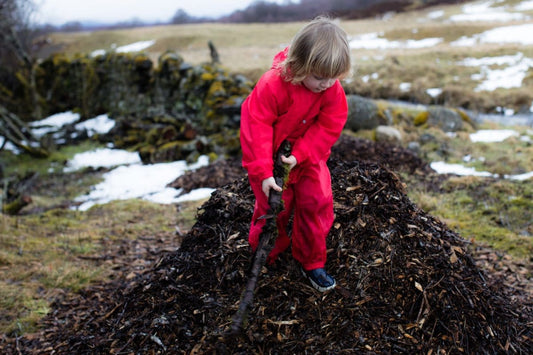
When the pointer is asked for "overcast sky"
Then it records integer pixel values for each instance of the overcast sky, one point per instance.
(57, 12)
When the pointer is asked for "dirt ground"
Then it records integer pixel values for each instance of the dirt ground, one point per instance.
(406, 282)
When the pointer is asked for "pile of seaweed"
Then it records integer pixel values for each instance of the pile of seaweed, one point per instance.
(348, 148)
(406, 284)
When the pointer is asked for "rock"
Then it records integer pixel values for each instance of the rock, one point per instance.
(364, 113)
(414, 147)
(427, 138)
(444, 118)
(388, 134)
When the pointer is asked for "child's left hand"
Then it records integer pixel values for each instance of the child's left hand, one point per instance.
(291, 160)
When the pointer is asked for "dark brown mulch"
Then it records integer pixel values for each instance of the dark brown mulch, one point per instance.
(218, 173)
(347, 148)
(407, 284)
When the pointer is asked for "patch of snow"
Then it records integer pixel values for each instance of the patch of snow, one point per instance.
(524, 6)
(9, 146)
(509, 34)
(465, 41)
(373, 41)
(492, 135)
(434, 92)
(520, 177)
(135, 47)
(366, 78)
(148, 182)
(102, 158)
(509, 77)
(444, 168)
(483, 11)
(435, 14)
(97, 52)
(101, 124)
(53, 122)
(405, 87)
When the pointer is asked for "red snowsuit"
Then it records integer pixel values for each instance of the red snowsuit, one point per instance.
(312, 122)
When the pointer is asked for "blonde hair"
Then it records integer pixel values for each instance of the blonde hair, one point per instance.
(320, 48)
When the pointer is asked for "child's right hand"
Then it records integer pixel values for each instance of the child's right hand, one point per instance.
(290, 160)
(269, 183)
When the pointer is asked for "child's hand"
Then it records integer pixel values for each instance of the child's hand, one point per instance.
(268, 184)
(291, 160)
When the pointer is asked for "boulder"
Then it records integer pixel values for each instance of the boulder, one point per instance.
(364, 114)
(388, 134)
(444, 118)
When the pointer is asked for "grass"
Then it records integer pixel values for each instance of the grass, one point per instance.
(249, 49)
(494, 213)
(22, 164)
(42, 255)
(49, 250)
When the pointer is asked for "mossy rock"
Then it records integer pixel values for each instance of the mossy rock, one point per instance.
(421, 118)
(444, 118)
(364, 114)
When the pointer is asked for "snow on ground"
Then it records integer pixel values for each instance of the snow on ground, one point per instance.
(147, 182)
(374, 41)
(515, 66)
(524, 6)
(133, 47)
(99, 125)
(484, 11)
(435, 14)
(53, 122)
(492, 135)
(485, 136)
(499, 35)
(102, 158)
(445, 168)
(129, 178)
(508, 77)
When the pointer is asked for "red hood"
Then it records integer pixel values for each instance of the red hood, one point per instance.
(279, 58)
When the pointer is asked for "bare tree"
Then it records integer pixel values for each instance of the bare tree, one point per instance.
(16, 56)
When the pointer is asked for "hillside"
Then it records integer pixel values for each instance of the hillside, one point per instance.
(389, 52)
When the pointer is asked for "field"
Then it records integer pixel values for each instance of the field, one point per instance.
(49, 252)
(249, 49)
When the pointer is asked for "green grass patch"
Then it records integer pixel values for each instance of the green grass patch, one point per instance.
(509, 157)
(21, 164)
(42, 255)
(448, 33)
(495, 212)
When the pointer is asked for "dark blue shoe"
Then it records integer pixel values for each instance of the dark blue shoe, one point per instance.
(320, 279)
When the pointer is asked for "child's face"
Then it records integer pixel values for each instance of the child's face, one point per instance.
(317, 84)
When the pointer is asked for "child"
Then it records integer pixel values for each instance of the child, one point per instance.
(299, 99)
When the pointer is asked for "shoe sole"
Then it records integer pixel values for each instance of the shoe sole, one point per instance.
(317, 286)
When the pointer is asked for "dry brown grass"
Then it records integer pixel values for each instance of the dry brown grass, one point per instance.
(249, 48)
